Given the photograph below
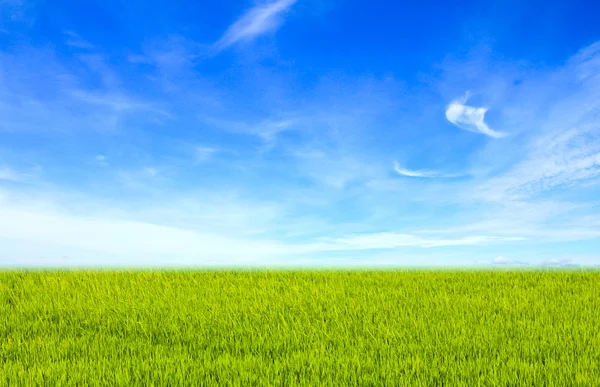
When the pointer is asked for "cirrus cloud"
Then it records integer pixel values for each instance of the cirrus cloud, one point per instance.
(256, 21)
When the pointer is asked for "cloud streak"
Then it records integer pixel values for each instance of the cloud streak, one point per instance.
(257, 21)
(429, 174)
(500, 260)
(390, 240)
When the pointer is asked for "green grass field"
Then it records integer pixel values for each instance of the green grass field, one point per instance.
(287, 328)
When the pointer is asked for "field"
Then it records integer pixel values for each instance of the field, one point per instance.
(287, 328)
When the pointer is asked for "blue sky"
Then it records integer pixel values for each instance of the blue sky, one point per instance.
(299, 132)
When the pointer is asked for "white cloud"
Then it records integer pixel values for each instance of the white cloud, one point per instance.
(390, 240)
(411, 173)
(500, 261)
(470, 118)
(258, 20)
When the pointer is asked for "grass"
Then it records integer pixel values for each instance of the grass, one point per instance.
(327, 328)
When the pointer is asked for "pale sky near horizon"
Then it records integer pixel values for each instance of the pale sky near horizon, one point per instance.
(299, 132)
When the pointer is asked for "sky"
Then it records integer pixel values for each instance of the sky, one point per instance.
(299, 133)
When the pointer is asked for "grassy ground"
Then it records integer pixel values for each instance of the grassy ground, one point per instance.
(300, 328)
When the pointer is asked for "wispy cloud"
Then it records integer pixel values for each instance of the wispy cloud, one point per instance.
(101, 160)
(117, 103)
(470, 118)
(204, 153)
(334, 167)
(390, 240)
(409, 173)
(111, 237)
(74, 40)
(10, 175)
(565, 262)
(266, 130)
(500, 260)
(53, 97)
(559, 159)
(543, 182)
(260, 19)
(414, 173)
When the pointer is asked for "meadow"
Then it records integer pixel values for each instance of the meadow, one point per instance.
(288, 328)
